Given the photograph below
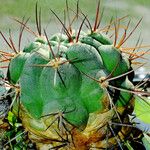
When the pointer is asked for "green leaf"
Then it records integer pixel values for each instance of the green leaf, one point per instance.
(146, 141)
(11, 118)
(128, 145)
(19, 136)
(142, 109)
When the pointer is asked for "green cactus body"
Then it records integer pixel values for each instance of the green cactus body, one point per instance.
(90, 41)
(60, 50)
(102, 38)
(61, 92)
(73, 86)
(58, 37)
(125, 97)
(92, 100)
(67, 84)
(16, 66)
(32, 46)
(30, 89)
(112, 59)
(86, 58)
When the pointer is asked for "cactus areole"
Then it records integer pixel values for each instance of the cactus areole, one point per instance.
(72, 87)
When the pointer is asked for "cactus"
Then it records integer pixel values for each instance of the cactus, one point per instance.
(74, 90)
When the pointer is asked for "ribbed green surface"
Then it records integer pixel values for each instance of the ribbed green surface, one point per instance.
(73, 86)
